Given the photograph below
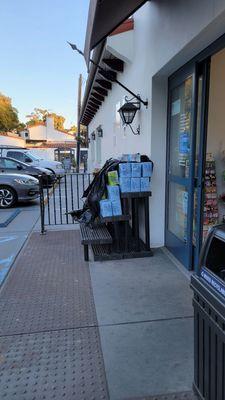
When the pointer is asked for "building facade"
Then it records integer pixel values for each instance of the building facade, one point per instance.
(173, 55)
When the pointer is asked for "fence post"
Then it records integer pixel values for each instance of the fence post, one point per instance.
(42, 205)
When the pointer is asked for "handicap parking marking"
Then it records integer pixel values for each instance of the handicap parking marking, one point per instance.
(6, 261)
(5, 239)
(10, 246)
(5, 265)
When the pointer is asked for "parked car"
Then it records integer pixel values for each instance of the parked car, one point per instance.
(23, 155)
(17, 187)
(11, 166)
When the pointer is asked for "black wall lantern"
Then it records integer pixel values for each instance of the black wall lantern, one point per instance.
(93, 136)
(128, 111)
(100, 131)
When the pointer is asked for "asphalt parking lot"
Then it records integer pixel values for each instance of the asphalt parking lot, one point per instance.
(14, 235)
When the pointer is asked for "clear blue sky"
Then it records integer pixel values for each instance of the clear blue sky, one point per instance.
(37, 67)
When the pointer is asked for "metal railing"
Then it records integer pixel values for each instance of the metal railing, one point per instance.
(60, 197)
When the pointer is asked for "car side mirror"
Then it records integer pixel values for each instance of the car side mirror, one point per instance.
(28, 160)
(19, 167)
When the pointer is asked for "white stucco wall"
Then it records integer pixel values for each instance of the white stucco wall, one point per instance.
(12, 141)
(48, 132)
(166, 35)
(37, 132)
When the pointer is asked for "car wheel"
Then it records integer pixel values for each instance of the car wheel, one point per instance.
(8, 197)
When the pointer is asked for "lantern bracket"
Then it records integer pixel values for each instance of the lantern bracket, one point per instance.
(137, 131)
(136, 103)
(145, 103)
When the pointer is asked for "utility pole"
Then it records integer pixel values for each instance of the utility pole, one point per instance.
(78, 122)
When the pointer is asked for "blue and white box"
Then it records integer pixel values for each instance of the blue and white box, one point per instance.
(145, 185)
(136, 170)
(105, 208)
(125, 170)
(113, 193)
(125, 157)
(125, 185)
(147, 168)
(135, 184)
(116, 208)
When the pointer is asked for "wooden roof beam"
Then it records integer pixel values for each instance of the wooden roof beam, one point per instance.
(114, 63)
(100, 90)
(89, 113)
(109, 75)
(93, 105)
(95, 101)
(89, 108)
(104, 83)
(97, 96)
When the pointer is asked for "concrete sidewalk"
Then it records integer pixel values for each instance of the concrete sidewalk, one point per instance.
(124, 330)
(145, 320)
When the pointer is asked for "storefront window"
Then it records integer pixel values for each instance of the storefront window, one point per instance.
(178, 208)
(180, 129)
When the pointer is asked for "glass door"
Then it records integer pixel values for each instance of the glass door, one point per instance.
(180, 174)
(200, 158)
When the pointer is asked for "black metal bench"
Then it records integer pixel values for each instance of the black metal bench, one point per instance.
(96, 235)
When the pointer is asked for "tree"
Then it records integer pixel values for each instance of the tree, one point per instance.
(8, 114)
(58, 121)
(21, 127)
(39, 115)
(83, 134)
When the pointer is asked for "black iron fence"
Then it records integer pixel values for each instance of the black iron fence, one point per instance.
(59, 197)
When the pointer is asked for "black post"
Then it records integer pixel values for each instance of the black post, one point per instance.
(147, 228)
(42, 206)
(136, 225)
(78, 123)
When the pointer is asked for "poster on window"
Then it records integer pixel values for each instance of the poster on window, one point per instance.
(184, 143)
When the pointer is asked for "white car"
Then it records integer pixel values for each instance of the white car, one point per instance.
(27, 157)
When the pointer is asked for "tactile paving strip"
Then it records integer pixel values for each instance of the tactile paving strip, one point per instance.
(57, 365)
(171, 396)
(49, 287)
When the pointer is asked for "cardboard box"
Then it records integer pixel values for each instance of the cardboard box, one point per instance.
(145, 185)
(136, 170)
(125, 185)
(113, 193)
(125, 170)
(116, 208)
(147, 168)
(113, 178)
(135, 184)
(105, 208)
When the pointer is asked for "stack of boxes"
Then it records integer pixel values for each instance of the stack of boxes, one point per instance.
(135, 177)
(111, 206)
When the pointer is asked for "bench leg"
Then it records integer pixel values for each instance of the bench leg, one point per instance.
(86, 255)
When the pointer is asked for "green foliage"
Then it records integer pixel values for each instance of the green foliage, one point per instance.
(58, 121)
(39, 115)
(83, 134)
(8, 114)
(21, 127)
